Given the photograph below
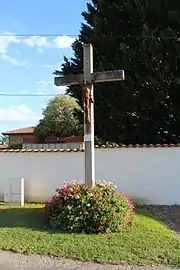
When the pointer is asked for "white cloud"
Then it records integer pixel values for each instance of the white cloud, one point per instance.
(5, 40)
(17, 113)
(40, 50)
(35, 41)
(39, 42)
(14, 61)
(63, 41)
(59, 42)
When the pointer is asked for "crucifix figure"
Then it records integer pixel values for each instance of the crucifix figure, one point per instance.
(87, 99)
(86, 81)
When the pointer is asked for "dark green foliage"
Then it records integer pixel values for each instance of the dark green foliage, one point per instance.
(16, 146)
(140, 37)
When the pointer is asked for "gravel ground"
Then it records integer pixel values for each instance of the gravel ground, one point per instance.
(15, 261)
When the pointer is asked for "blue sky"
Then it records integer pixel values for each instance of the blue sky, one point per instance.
(27, 62)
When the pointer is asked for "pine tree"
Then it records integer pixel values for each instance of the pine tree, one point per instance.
(141, 37)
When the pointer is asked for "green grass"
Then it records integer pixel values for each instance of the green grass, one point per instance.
(147, 241)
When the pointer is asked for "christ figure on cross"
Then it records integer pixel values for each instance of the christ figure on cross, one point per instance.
(87, 99)
(86, 81)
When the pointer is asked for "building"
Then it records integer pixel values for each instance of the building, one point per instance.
(3, 146)
(26, 138)
(21, 135)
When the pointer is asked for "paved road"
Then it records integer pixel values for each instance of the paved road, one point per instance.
(14, 261)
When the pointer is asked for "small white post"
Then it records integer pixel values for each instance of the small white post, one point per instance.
(22, 191)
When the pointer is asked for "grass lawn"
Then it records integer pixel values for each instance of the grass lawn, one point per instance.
(147, 241)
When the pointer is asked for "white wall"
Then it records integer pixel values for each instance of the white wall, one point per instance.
(148, 175)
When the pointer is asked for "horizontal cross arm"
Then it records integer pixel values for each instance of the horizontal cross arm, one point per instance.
(98, 77)
(68, 80)
(108, 76)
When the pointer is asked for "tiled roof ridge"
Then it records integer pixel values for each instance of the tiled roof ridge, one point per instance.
(117, 146)
(20, 130)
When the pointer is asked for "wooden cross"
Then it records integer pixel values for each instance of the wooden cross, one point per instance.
(86, 81)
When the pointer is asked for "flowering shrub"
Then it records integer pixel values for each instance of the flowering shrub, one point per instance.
(77, 207)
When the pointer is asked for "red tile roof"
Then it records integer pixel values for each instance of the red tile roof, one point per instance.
(27, 130)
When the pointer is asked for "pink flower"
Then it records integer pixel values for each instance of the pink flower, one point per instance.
(102, 222)
(100, 228)
(54, 197)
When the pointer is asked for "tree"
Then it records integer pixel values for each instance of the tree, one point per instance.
(59, 118)
(4, 139)
(141, 37)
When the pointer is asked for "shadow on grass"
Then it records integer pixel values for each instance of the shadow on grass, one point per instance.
(166, 214)
(34, 218)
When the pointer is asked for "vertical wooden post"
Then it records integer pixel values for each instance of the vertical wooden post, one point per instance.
(88, 77)
(89, 128)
